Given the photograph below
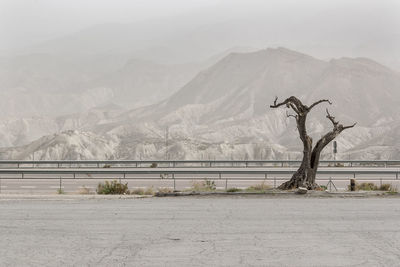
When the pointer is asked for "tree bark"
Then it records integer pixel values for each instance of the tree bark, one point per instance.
(306, 174)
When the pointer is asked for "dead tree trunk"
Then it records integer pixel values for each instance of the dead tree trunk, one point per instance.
(305, 175)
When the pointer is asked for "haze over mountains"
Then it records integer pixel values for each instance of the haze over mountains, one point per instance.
(223, 112)
(112, 90)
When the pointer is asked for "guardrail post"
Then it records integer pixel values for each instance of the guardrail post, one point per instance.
(17, 165)
(0, 185)
(173, 177)
(74, 176)
(247, 164)
(274, 182)
(60, 186)
(220, 175)
(22, 175)
(397, 175)
(353, 184)
(226, 184)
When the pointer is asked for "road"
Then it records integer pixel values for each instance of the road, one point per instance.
(35, 183)
(203, 231)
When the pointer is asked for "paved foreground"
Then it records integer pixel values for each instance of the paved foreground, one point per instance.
(201, 231)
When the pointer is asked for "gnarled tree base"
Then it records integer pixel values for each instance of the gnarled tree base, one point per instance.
(298, 181)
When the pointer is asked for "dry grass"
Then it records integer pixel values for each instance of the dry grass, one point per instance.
(373, 187)
(164, 190)
(60, 191)
(142, 191)
(258, 187)
(84, 191)
(233, 190)
(203, 186)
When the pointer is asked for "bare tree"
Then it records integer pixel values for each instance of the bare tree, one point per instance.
(305, 175)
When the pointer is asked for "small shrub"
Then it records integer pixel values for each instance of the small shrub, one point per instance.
(209, 185)
(154, 165)
(258, 187)
(233, 190)
(107, 166)
(112, 188)
(385, 187)
(321, 188)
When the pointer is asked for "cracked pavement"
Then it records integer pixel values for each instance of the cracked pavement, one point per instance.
(200, 231)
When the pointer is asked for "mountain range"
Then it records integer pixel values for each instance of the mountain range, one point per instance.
(222, 112)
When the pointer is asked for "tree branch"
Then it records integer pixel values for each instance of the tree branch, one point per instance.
(331, 118)
(336, 125)
(291, 115)
(350, 126)
(291, 102)
(319, 102)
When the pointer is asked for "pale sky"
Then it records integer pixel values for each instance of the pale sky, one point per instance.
(31, 21)
(346, 24)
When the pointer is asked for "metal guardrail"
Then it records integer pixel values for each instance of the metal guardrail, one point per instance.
(185, 163)
(221, 173)
(334, 174)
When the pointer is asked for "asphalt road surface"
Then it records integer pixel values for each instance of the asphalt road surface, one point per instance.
(202, 231)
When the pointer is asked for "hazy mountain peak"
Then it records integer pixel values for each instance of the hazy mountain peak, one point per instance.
(360, 63)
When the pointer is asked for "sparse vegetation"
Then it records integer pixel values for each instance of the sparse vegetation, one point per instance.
(60, 191)
(373, 187)
(385, 187)
(137, 191)
(154, 165)
(322, 188)
(84, 190)
(107, 166)
(258, 187)
(142, 191)
(233, 190)
(149, 191)
(112, 188)
(164, 190)
(204, 186)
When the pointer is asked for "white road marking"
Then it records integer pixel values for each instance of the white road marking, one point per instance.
(27, 186)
